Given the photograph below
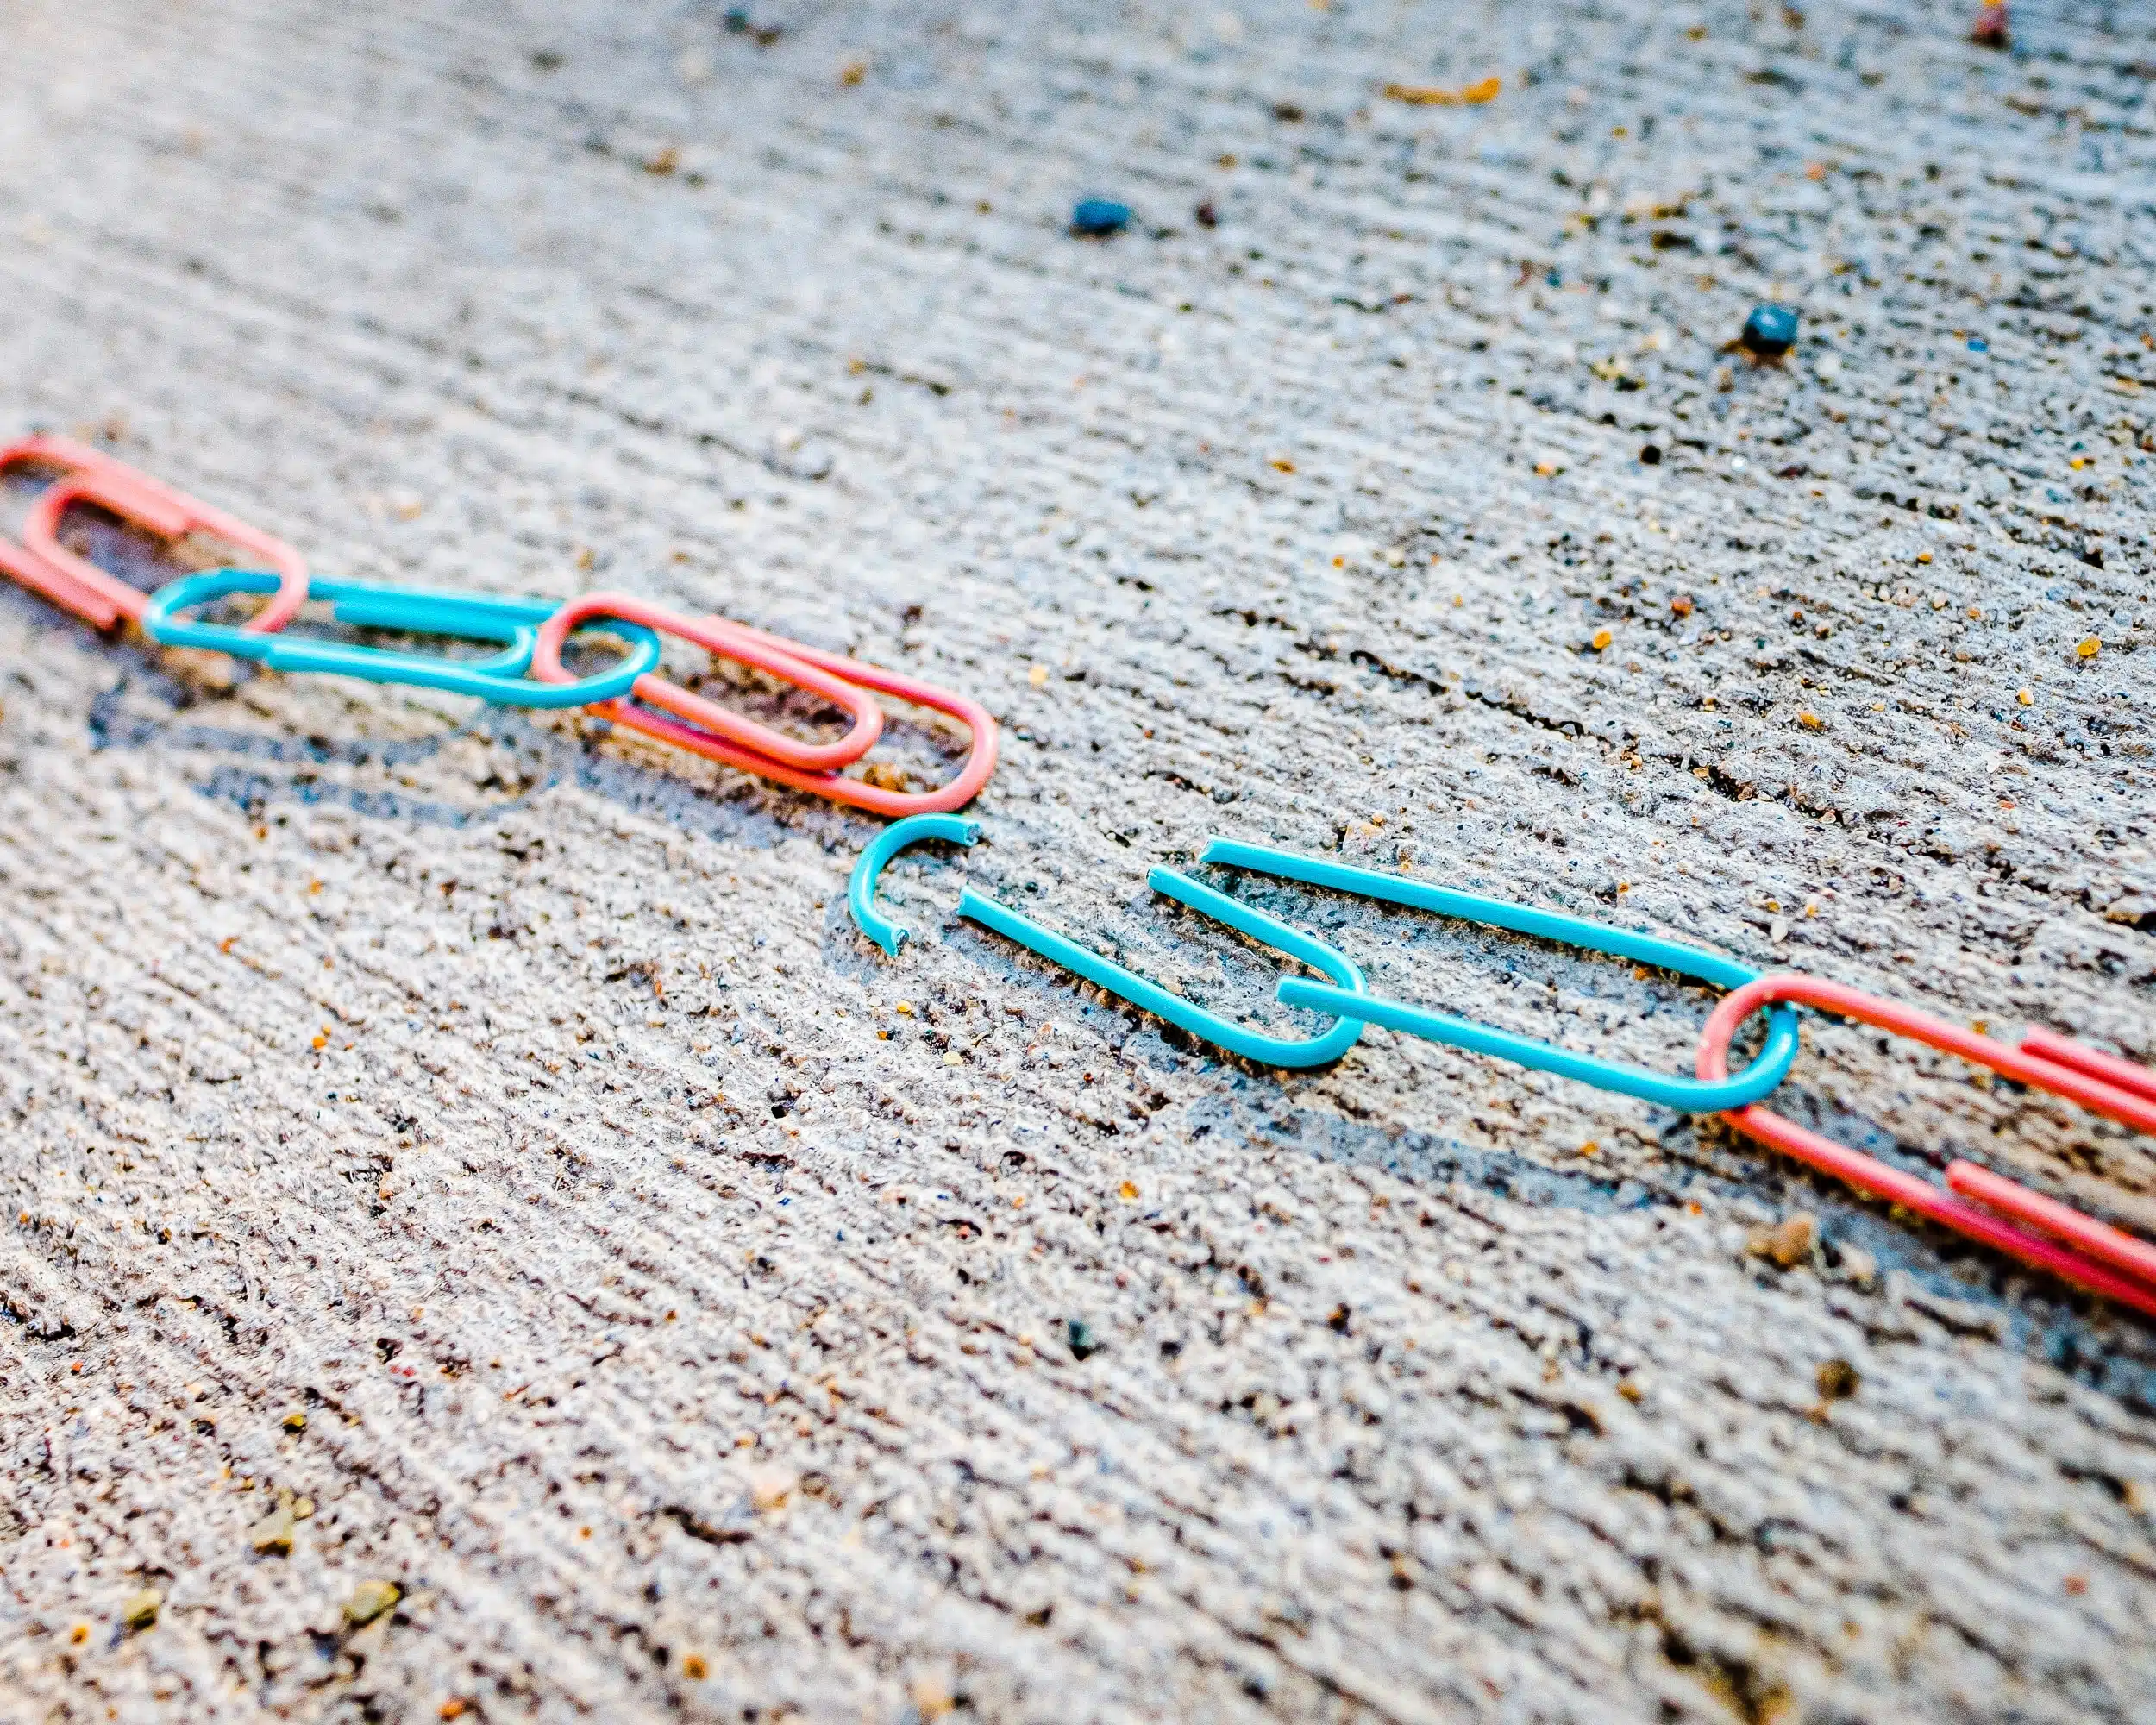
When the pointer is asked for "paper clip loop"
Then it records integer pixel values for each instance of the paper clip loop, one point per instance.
(861, 886)
(727, 640)
(499, 679)
(76, 584)
(837, 786)
(1688, 1095)
(1981, 1205)
(1270, 1051)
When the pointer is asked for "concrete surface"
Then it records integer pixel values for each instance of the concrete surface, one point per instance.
(492, 1133)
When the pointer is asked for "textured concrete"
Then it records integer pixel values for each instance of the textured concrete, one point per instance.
(492, 1132)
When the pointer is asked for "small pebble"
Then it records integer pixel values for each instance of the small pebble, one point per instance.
(2090, 648)
(1095, 218)
(1651, 454)
(273, 1533)
(142, 1608)
(1787, 1243)
(1837, 1380)
(931, 1696)
(1079, 1333)
(295, 1421)
(1206, 215)
(769, 1487)
(1770, 331)
(1992, 29)
(369, 1600)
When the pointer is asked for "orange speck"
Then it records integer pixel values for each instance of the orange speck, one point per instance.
(1430, 95)
(1280, 464)
(850, 75)
(2090, 649)
(1681, 606)
(1602, 638)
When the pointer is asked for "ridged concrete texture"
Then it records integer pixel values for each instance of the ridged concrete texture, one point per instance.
(493, 1133)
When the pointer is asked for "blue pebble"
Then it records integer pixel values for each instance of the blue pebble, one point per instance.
(1095, 218)
(1978, 345)
(1770, 329)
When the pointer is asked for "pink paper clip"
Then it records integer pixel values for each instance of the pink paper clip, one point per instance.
(69, 458)
(740, 640)
(1982, 1204)
(87, 475)
(727, 640)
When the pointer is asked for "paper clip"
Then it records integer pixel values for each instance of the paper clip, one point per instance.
(1982, 1204)
(1688, 1094)
(854, 792)
(1270, 1051)
(68, 458)
(860, 888)
(76, 584)
(499, 679)
(726, 640)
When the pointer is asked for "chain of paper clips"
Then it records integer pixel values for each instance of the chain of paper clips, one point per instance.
(529, 671)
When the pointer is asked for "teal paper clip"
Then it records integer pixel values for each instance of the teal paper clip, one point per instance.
(1689, 1096)
(861, 889)
(480, 617)
(1270, 1051)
